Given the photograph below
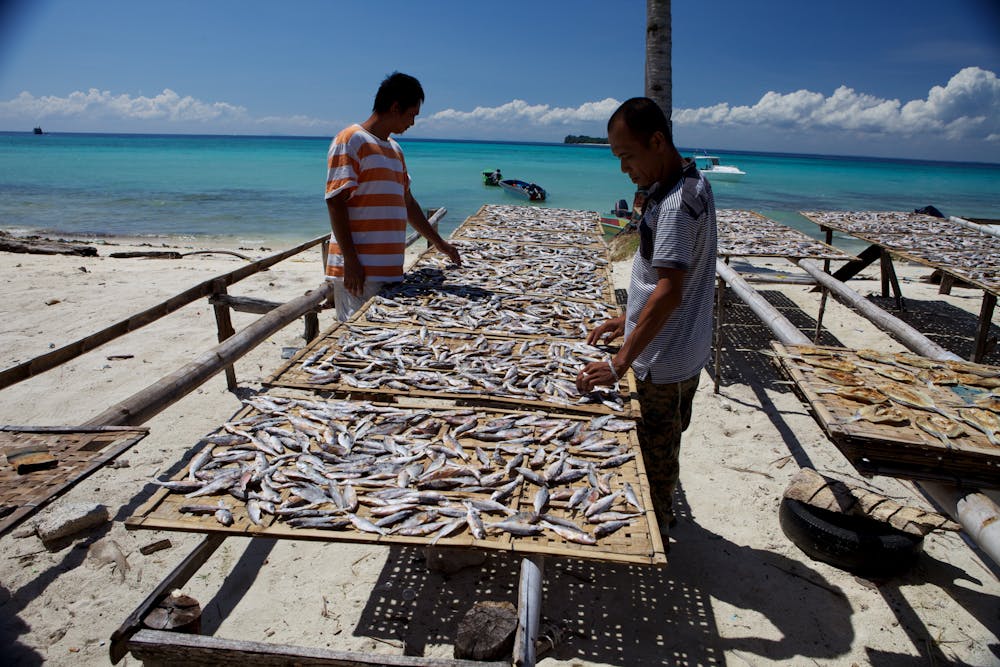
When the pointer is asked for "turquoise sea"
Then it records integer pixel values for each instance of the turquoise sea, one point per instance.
(270, 189)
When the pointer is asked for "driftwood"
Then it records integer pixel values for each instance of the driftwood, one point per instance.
(152, 254)
(486, 632)
(41, 246)
(809, 487)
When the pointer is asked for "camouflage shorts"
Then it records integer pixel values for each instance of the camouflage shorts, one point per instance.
(666, 413)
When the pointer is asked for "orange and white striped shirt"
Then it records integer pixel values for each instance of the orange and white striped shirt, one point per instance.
(373, 172)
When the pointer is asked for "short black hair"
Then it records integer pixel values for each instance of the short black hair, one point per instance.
(643, 117)
(401, 88)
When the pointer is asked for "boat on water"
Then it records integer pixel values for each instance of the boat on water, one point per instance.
(492, 177)
(38, 130)
(523, 189)
(710, 166)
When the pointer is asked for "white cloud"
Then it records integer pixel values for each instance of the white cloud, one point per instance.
(166, 106)
(964, 108)
(519, 112)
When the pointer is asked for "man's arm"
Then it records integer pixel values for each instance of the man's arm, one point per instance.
(418, 220)
(354, 273)
(662, 303)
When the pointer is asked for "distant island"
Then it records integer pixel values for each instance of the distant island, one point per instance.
(584, 139)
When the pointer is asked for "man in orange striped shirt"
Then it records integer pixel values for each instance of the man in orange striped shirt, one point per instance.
(369, 201)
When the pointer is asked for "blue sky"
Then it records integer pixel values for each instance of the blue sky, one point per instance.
(873, 77)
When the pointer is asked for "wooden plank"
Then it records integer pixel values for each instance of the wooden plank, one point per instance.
(177, 578)
(155, 647)
(904, 448)
(49, 360)
(982, 341)
(224, 324)
(243, 304)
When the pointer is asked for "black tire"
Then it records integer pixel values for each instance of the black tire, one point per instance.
(852, 543)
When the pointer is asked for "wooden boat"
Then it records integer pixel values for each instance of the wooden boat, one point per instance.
(521, 188)
(613, 224)
(38, 130)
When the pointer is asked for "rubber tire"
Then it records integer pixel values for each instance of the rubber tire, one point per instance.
(856, 544)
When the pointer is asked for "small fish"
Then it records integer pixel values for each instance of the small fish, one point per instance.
(608, 527)
(840, 377)
(985, 421)
(364, 525)
(881, 414)
(517, 528)
(910, 397)
(631, 498)
(602, 504)
(570, 534)
(541, 499)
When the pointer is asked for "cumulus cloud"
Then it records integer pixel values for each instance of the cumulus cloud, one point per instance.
(964, 108)
(519, 112)
(95, 103)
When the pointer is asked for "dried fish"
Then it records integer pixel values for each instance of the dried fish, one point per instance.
(984, 420)
(839, 377)
(940, 427)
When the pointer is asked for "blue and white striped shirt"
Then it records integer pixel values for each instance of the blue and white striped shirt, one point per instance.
(683, 346)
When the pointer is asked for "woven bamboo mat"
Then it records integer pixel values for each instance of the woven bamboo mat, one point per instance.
(469, 309)
(555, 271)
(393, 361)
(749, 234)
(638, 542)
(541, 218)
(480, 232)
(51, 460)
(896, 449)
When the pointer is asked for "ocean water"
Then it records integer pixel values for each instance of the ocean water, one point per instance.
(260, 189)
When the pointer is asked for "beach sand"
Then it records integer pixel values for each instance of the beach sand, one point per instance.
(735, 591)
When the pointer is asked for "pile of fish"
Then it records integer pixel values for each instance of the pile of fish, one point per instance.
(406, 359)
(474, 309)
(539, 218)
(749, 234)
(902, 389)
(394, 471)
(966, 253)
(579, 273)
(479, 232)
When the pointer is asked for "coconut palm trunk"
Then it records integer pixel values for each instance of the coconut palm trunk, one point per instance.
(659, 84)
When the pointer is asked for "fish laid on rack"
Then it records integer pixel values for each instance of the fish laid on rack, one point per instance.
(479, 232)
(538, 218)
(459, 363)
(388, 470)
(881, 414)
(502, 267)
(492, 313)
(984, 420)
(940, 426)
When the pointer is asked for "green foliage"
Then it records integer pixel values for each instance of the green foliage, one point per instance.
(584, 139)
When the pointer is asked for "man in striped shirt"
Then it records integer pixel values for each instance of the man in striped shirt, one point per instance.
(668, 319)
(369, 201)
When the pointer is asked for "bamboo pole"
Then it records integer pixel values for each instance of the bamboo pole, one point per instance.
(529, 608)
(786, 331)
(975, 226)
(50, 360)
(907, 335)
(152, 400)
(434, 221)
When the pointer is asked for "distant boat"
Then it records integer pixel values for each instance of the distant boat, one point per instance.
(38, 130)
(530, 190)
(492, 177)
(709, 166)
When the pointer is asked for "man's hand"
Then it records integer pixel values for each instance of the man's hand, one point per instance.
(450, 251)
(608, 330)
(599, 373)
(354, 275)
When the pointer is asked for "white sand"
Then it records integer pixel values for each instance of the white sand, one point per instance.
(736, 591)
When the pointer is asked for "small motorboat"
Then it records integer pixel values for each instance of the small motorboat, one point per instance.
(713, 170)
(524, 189)
(492, 177)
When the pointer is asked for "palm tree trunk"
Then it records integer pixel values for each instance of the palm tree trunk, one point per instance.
(659, 84)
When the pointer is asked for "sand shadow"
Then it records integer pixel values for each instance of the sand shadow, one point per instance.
(624, 614)
(951, 327)
(12, 627)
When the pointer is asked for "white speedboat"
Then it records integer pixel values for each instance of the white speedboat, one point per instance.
(710, 166)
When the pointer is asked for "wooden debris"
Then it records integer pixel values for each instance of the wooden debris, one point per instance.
(153, 547)
(176, 612)
(809, 487)
(41, 246)
(486, 632)
(152, 254)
